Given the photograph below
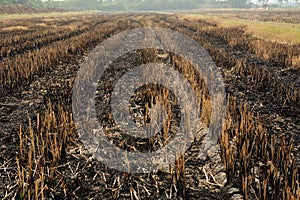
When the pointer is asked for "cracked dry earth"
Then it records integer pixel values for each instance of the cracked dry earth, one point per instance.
(79, 176)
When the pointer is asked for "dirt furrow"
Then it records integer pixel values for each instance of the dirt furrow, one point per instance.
(262, 102)
(251, 80)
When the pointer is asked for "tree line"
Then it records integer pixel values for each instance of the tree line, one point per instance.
(128, 5)
(26, 2)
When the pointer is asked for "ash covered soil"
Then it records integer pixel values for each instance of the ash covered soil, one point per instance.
(77, 175)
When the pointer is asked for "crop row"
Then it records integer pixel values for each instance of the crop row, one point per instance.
(254, 68)
(263, 16)
(21, 69)
(258, 165)
(16, 44)
(263, 162)
(282, 55)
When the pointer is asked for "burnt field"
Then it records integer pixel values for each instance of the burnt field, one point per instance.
(42, 156)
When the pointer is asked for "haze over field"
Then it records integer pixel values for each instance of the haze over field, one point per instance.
(136, 5)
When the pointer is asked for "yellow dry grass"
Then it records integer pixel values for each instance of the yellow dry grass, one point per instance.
(13, 28)
(51, 16)
(41, 24)
(273, 31)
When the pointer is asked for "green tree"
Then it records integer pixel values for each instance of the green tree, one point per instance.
(25, 2)
(238, 3)
(8, 2)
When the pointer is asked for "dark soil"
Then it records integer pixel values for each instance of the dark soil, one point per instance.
(80, 176)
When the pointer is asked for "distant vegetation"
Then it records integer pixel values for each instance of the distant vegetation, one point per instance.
(130, 5)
